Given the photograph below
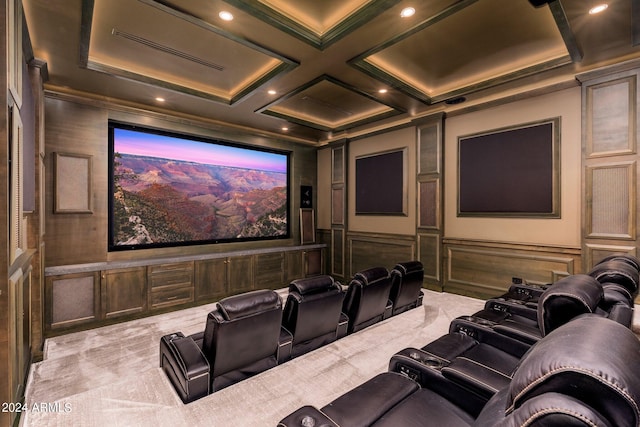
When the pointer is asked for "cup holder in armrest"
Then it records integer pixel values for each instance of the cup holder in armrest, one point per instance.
(477, 320)
(427, 360)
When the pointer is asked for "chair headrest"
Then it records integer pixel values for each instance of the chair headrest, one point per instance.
(629, 259)
(566, 299)
(372, 275)
(408, 267)
(592, 359)
(617, 271)
(248, 303)
(311, 285)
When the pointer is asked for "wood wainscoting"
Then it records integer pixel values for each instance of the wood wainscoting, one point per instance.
(366, 250)
(485, 269)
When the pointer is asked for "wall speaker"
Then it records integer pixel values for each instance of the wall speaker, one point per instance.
(306, 196)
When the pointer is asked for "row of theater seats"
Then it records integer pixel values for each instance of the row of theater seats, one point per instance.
(249, 333)
(579, 367)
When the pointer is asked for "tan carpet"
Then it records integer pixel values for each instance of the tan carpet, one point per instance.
(110, 376)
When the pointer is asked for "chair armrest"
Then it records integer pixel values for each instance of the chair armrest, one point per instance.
(285, 345)
(420, 298)
(307, 416)
(388, 310)
(186, 367)
(426, 369)
(343, 326)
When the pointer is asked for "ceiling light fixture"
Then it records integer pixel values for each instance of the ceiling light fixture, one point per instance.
(284, 128)
(225, 16)
(159, 99)
(407, 12)
(598, 8)
(271, 92)
(382, 90)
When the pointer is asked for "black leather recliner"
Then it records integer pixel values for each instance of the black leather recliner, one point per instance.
(406, 286)
(581, 374)
(242, 337)
(480, 356)
(367, 299)
(313, 313)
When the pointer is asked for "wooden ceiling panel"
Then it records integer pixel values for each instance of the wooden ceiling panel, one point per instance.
(453, 51)
(176, 50)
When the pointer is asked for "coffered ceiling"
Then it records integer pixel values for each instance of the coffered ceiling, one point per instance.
(312, 71)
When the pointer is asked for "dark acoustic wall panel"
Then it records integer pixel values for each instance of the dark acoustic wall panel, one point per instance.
(510, 172)
(380, 184)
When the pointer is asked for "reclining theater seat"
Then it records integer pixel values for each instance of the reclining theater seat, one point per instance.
(367, 299)
(312, 313)
(481, 357)
(241, 339)
(580, 375)
(406, 286)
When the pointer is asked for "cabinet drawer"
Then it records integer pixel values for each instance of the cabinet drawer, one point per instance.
(179, 273)
(173, 295)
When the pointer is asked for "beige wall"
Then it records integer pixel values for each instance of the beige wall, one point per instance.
(564, 231)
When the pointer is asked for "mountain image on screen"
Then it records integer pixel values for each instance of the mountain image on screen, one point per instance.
(166, 201)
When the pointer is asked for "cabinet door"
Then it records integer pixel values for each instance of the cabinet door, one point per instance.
(240, 274)
(124, 292)
(313, 262)
(72, 299)
(294, 266)
(269, 270)
(211, 279)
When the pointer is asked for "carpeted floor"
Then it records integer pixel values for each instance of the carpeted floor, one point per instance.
(110, 376)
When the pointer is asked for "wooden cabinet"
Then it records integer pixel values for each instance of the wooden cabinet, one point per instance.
(240, 274)
(170, 284)
(72, 299)
(294, 266)
(270, 270)
(312, 262)
(124, 292)
(77, 298)
(211, 279)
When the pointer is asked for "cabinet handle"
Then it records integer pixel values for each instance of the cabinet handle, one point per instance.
(172, 298)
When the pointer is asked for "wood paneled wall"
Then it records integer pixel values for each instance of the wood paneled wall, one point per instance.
(79, 126)
(485, 269)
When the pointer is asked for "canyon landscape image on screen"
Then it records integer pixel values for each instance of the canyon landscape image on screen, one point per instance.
(170, 190)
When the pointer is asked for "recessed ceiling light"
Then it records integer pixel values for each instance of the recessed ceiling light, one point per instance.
(225, 16)
(271, 92)
(407, 12)
(284, 128)
(598, 8)
(382, 90)
(159, 99)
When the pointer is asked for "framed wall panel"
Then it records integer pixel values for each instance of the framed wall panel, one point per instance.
(337, 173)
(381, 183)
(337, 249)
(429, 150)
(307, 226)
(337, 205)
(511, 172)
(610, 118)
(429, 256)
(428, 204)
(595, 253)
(73, 183)
(610, 210)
